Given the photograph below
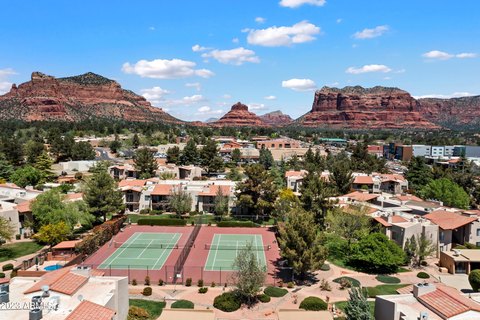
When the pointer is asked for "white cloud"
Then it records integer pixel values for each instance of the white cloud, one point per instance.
(206, 110)
(436, 54)
(154, 95)
(283, 36)
(199, 48)
(5, 85)
(371, 33)
(185, 101)
(299, 84)
(369, 68)
(165, 69)
(260, 20)
(256, 106)
(193, 99)
(195, 85)
(151, 28)
(445, 96)
(227, 96)
(339, 20)
(298, 3)
(466, 55)
(235, 40)
(270, 98)
(236, 56)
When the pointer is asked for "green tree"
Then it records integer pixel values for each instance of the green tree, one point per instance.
(249, 275)
(180, 202)
(301, 243)
(145, 163)
(44, 164)
(341, 176)
(474, 279)
(82, 151)
(352, 224)
(357, 307)
(115, 145)
(234, 175)
(208, 154)
(173, 155)
(410, 249)
(13, 151)
(53, 233)
(33, 149)
(375, 253)
(215, 165)
(135, 141)
(26, 176)
(294, 163)
(417, 249)
(315, 193)
(419, 174)
(447, 191)
(236, 156)
(286, 201)
(221, 203)
(101, 194)
(61, 147)
(6, 229)
(6, 169)
(266, 158)
(189, 154)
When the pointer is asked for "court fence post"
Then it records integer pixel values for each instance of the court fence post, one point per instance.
(110, 267)
(128, 268)
(201, 272)
(147, 272)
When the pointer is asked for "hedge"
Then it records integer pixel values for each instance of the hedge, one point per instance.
(325, 267)
(387, 279)
(100, 235)
(233, 224)
(354, 282)
(423, 275)
(313, 304)
(227, 302)
(263, 298)
(147, 291)
(182, 304)
(161, 222)
(202, 290)
(2, 275)
(275, 292)
(7, 267)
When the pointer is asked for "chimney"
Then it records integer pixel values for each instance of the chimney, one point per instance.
(420, 289)
(85, 271)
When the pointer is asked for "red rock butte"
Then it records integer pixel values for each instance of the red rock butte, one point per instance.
(276, 118)
(76, 98)
(239, 116)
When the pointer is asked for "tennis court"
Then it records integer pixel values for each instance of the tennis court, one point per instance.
(143, 250)
(225, 247)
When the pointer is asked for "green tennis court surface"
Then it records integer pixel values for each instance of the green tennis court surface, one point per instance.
(143, 250)
(225, 248)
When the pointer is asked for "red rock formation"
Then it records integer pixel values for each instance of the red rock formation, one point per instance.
(276, 118)
(239, 116)
(359, 108)
(458, 113)
(76, 98)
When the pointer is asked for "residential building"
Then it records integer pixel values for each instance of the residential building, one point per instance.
(294, 179)
(283, 143)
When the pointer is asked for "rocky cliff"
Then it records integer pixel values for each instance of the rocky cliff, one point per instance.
(365, 108)
(455, 113)
(239, 116)
(276, 118)
(76, 98)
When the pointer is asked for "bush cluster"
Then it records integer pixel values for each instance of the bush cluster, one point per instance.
(313, 304)
(202, 290)
(7, 267)
(147, 291)
(183, 304)
(100, 235)
(325, 267)
(135, 312)
(387, 279)
(263, 298)
(188, 282)
(233, 224)
(275, 292)
(200, 283)
(161, 222)
(227, 302)
(2, 275)
(423, 275)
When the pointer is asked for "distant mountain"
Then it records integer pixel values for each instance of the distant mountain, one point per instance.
(209, 120)
(276, 118)
(239, 116)
(77, 98)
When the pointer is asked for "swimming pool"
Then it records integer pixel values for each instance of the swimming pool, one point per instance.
(53, 267)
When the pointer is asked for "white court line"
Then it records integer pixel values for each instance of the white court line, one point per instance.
(165, 250)
(144, 249)
(216, 251)
(115, 258)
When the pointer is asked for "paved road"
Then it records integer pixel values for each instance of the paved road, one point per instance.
(102, 154)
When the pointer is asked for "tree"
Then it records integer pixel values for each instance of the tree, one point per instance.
(351, 223)
(50, 208)
(173, 155)
(82, 151)
(145, 163)
(115, 145)
(234, 175)
(419, 174)
(6, 229)
(236, 156)
(208, 154)
(417, 249)
(474, 279)
(180, 202)
(189, 154)
(221, 203)
(26, 176)
(6, 169)
(33, 149)
(447, 191)
(301, 243)
(101, 194)
(266, 158)
(61, 147)
(215, 165)
(315, 194)
(44, 163)
(294, 163)
(13, 151)
(375, 253)
(249, 276)
(135, 141)
(357, 307)
(341, 176)
(286, 201)
(410, 249)
(53, 233)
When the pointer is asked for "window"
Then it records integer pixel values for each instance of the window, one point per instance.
(147, 197)
(478, 232)
(477, 244)
(442, 236)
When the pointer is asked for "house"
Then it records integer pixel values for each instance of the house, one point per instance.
(428, 301)
(70, 293)
(294, 179)
(460, 261)
(365, 182)
(278, 144)
(206, 198)
(160, 196)
(125, 171)
(132, 193)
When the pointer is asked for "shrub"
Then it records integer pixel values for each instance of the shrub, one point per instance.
(387, 279)
(18, 237)
(424, 263)
(345, 283)
(263, 298)
(290, 285)
(227, 302)
(474, 279)
(13, 274)
(7, 267)
(147, 291)
(233, 224)
(325, 267)
(423, 275)
(200, 283)
(137, 313)
(147, 280)
(202, 290)
(188, 282)
(183, 304)
(134, 282)
(280, 284)
(353, 282)
(275, 292)
(325, 285)
(313, 304)
(160, 282)
(213, 284)
(2, 275)
(161, 222)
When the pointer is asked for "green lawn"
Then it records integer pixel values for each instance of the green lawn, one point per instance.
(19, 249)
(384, 289)
(154, 308)
(341, 305)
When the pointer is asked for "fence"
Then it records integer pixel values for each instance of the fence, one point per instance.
(178, 268)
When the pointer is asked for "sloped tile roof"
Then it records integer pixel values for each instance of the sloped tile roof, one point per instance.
(89, 310)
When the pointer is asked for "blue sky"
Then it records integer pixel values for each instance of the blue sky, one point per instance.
(197, 58)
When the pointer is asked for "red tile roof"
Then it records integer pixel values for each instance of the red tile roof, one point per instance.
(392, 177)
(162, 190)
(61, 280)
(363, 180)
(24, 207)
(448, 220)
(361, 196)
(214, 189)
(295, 173)
(448, 303)
(408, 197)
(89, 310)
(132, 183)
(66, 244)
(74, 196)
(383, 221)
(48, 279)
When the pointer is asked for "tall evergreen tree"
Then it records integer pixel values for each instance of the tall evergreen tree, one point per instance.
(419, 174)
(82, 150)
(135, 141)
(341, 176)
(190, 153)
(266, 158)
(6, 169)
(145, 163)
(315, 194)
(44, 164)
(221, 203)
(173, 155)
(33, 149)
(357, 307)
(236, 156)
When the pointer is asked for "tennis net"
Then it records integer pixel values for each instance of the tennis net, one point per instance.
(235, 247)
(145, 245)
